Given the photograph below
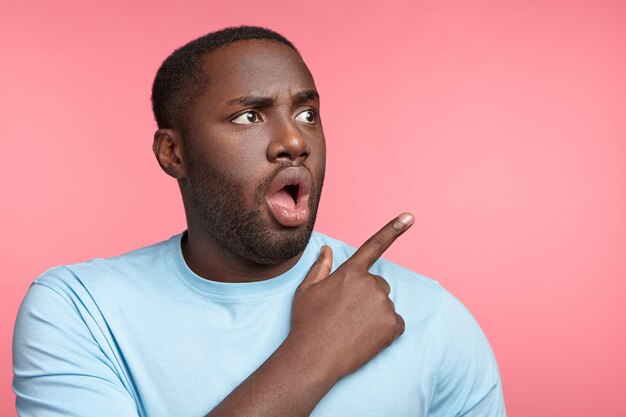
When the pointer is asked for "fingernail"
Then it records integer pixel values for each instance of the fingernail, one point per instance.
(406, 218)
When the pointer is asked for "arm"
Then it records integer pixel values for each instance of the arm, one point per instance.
(339, 322)
(59, 368)
(289, 383)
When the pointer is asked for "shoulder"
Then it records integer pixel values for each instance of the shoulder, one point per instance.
(466, 372)
(99, 273)
(68, 299)
(468, 378)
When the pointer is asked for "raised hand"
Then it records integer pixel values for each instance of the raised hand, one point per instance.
(346, 318)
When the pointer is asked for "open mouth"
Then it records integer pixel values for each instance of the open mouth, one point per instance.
(288, 196)
(293, 191)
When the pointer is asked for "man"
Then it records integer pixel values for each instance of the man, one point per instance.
(248, 313)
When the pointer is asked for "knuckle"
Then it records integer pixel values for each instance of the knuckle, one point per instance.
(377, 241)
(388, 340)
(384, 284)
(395, 227)
(390, 320)
(349, 270)
(381, 297)
(392, 329)
(326, 269)
(400, 324)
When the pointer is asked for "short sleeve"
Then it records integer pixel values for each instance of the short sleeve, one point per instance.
(59, 369)
(468, 381)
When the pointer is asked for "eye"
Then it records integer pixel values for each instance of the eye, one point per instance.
(247, 118)
(307, 116)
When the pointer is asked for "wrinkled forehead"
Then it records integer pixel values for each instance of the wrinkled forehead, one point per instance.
(258, 67)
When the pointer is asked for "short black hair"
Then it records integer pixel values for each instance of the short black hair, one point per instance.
(181, 78)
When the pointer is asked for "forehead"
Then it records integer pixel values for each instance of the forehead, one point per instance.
(263, 67)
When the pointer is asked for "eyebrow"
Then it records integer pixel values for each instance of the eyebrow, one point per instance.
(251, 101)
(260, 101)
(306, 95)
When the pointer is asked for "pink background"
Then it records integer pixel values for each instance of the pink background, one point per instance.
(500, 125)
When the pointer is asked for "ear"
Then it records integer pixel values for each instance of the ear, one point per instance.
(168, 149)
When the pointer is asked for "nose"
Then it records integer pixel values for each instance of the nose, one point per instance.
(287, 143)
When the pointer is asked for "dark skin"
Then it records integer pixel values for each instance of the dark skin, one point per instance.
(246, 143)
(218, 134)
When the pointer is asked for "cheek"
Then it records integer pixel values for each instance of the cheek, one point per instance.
(239, 155)
(318, 154)
(241, 145)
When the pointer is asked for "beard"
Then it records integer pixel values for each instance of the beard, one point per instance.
(229, 221)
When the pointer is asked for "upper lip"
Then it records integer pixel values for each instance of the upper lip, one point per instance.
(299, 176)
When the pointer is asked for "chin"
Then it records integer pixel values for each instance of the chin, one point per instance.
(277, 246)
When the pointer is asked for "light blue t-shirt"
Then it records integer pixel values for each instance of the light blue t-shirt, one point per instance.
(142, 335)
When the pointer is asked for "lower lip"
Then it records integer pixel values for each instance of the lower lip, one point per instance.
(289, 217)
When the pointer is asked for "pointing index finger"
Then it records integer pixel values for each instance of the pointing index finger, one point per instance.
(376, 245)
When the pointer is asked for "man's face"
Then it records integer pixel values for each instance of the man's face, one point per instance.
(255, 151)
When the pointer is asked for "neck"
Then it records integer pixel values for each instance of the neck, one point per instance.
(210, 261)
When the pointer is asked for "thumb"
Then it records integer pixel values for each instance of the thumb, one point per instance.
(320, 269)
